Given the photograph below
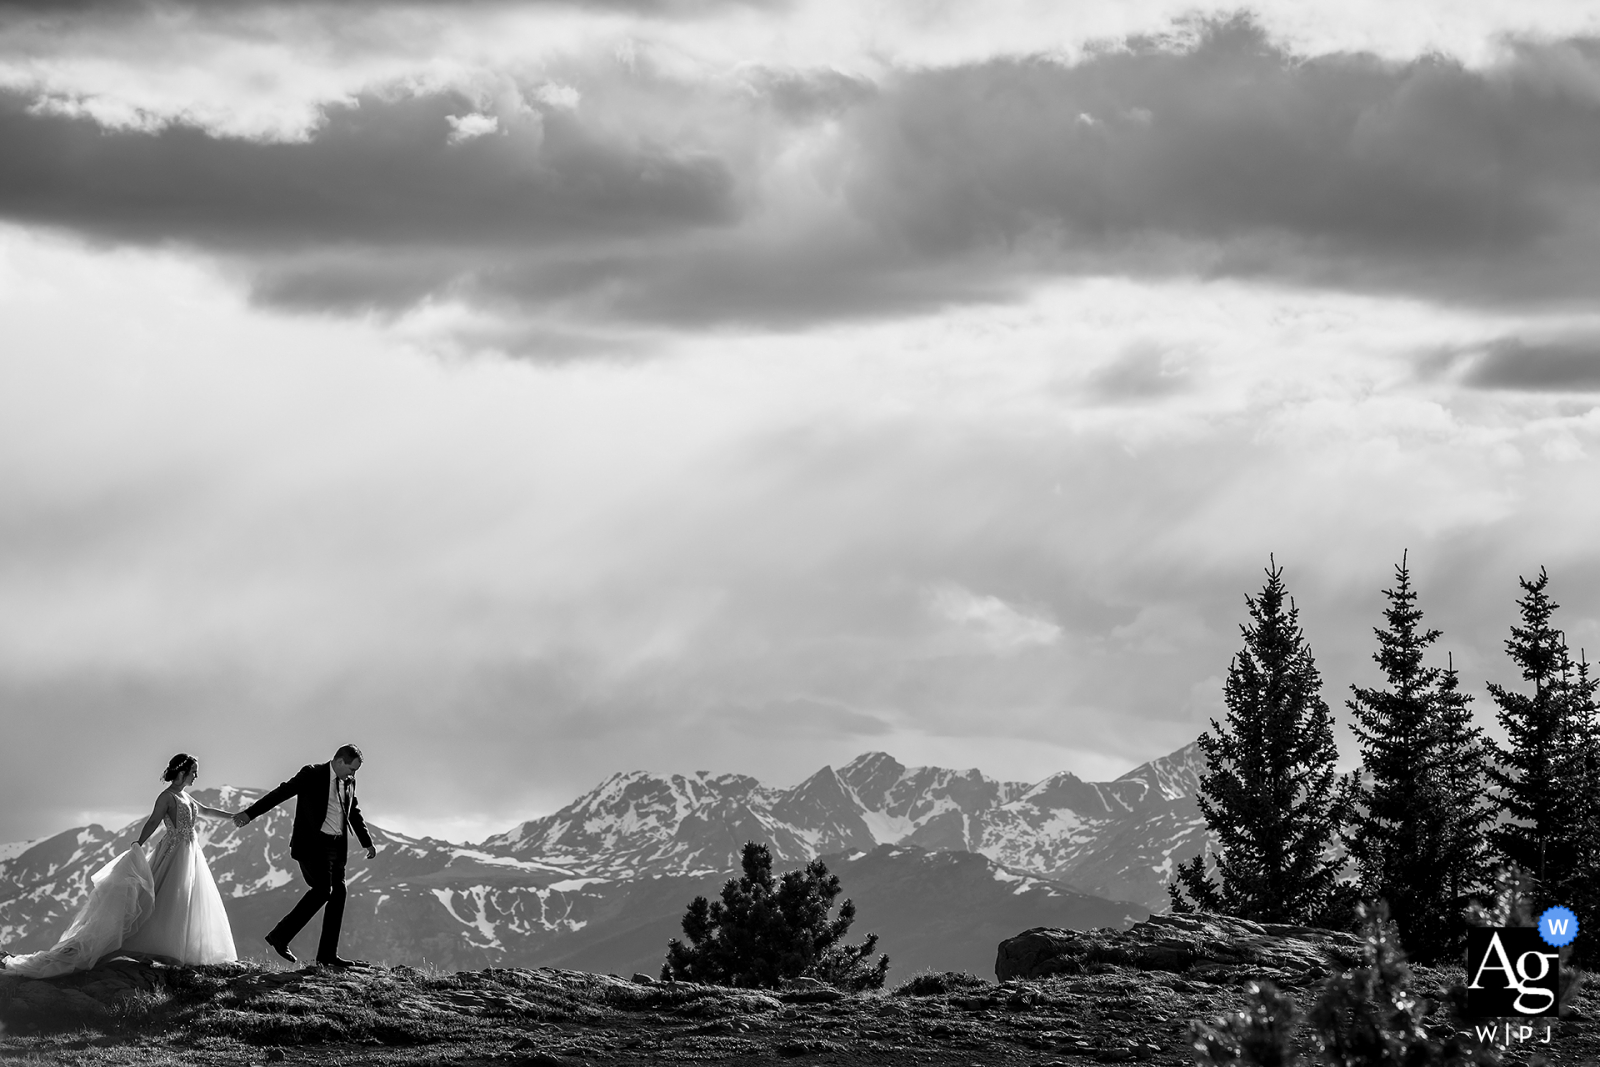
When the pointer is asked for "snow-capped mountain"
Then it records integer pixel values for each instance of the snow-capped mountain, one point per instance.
(947, 861)
(1113, 839)
(42, 885)
(13, 849)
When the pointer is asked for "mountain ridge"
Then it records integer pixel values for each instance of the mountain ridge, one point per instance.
(677, 824)
(603, 881)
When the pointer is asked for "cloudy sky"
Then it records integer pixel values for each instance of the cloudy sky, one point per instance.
(529, 391)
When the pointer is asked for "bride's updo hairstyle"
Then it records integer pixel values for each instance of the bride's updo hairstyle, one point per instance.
(181, 765)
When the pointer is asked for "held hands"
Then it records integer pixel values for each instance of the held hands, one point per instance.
(240, 818)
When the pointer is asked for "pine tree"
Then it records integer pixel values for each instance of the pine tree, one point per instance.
(1462, 758)
(1417, 837)
(1549, 774)
(1525, 771)
(1270, 793)
(764, 931)
(1575, 881)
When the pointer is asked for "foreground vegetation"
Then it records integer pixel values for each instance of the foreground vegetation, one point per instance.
(1107, 1012)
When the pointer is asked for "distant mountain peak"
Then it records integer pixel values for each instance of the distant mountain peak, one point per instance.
(1057, 828)
(906, 836)
(1174, 775)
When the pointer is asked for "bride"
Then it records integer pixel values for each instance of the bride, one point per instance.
(164, 906)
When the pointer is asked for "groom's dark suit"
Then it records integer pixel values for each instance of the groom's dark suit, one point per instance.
(321, 856)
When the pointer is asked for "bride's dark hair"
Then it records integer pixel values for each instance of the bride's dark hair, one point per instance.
(181, 765)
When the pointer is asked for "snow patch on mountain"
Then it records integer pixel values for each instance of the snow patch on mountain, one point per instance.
(477, 917)
(1114, 836)
(887, 829)
(493, 859)
(572, 885)
(15, 848)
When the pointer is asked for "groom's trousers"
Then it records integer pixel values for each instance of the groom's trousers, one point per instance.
(323, 865)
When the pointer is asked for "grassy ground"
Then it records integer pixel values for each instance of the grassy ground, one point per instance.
(259, 1014)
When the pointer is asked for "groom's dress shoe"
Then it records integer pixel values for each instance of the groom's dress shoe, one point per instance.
(282, 950)
(337, 961)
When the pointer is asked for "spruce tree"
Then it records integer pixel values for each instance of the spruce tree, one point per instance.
(765, 931)
(1462, 758)
(1575, 881)
(1525, 770)
(1417, 835)
(1270, 793)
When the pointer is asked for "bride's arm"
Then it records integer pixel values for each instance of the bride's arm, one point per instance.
(216, 813)
(163, 802)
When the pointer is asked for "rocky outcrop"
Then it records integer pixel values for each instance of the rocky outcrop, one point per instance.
(83, 997)
(1200, 946)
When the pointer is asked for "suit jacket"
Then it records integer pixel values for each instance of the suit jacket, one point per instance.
(309, 787)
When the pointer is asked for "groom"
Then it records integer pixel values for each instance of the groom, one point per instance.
(325, 809)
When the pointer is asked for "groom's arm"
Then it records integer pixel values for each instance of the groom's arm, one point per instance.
(359, 825)
(275, 797)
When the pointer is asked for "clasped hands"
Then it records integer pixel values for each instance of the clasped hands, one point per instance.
(241, 818)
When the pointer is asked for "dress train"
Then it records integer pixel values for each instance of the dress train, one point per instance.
(123, 894)
(169, 907)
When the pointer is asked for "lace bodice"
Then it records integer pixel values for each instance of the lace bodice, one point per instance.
(182, 817)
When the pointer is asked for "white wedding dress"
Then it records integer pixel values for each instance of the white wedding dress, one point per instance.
(169, 907)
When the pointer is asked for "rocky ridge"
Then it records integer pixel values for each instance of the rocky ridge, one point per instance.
(1134, 1005)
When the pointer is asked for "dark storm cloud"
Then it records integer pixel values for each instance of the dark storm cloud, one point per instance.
(382, 174)
(722, 278)
(1348, 168)
(1221, 155)
(1227, 156)
(1569, 364)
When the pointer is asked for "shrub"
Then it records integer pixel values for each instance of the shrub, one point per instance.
(1365, 1018)
(932, 983)
(764, 932)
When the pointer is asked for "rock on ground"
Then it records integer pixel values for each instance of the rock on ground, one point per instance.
(1198, 945)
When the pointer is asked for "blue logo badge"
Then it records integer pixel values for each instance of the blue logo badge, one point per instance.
(1558, 926)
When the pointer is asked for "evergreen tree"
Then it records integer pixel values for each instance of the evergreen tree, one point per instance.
(1535, 726)
(1463, 815)
(1417, 835)
(1575, 881)
(764, 931)
(1203, 893)
(1270, 793)
(1549, 774)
